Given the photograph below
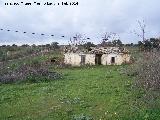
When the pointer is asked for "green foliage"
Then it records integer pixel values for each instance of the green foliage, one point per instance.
(117, 43)
(55, 45)
(150, 44)
(114, 43)
(88, 45)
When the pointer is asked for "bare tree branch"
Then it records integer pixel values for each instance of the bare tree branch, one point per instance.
(142, 27)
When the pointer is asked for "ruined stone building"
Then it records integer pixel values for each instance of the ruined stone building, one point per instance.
(97, 56)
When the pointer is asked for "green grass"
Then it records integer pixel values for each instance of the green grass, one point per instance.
(98, 92)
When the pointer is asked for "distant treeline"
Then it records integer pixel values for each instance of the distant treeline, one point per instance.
(147, 44)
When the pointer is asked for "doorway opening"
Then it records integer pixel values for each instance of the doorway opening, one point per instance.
(98, 59)
(83, 59)
(112, 60)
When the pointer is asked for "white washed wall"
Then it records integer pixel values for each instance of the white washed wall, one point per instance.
(90, 59)
(106, 59)
(72, 58)
(75, 59)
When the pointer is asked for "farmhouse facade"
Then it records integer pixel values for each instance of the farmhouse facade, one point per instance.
(98, 56)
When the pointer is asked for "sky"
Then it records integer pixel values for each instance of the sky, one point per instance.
(91, 18)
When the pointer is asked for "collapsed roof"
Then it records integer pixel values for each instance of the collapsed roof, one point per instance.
(108, 50)
(97, 50)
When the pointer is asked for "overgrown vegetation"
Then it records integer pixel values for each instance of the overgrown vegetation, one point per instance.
(146, 72)
(32, 68)
(149, 44)
(31, 74)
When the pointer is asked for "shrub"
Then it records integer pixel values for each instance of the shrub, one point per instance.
(147, 77)
(30, 74)
(148, 72)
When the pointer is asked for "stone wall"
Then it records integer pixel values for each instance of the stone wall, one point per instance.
(119, 59)
(74, 59)
(126, 58)
(90, 59)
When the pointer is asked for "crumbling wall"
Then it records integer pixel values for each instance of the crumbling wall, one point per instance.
(119, 59)
(72, 58)
(126, 58)
(106, 59)
(90, 59)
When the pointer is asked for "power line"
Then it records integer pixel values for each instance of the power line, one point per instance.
(33, 33)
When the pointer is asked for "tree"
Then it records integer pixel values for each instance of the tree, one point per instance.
(33, 46)
(147, 45)
(55, 45)
(142, 27)
(107, 36)
(117, 43)
(140, 45)
(14, 45)
(25, 45)
(3, 46)
(155, 42)
(47, 45)
(88, 45)
(108, 39)
(77, 40)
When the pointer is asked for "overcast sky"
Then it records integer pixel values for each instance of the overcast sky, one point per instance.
(90, 17)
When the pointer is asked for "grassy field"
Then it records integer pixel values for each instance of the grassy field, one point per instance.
(98, 93)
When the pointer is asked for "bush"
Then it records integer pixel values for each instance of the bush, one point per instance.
(29, 74)
(147, 76)
(148, 72)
